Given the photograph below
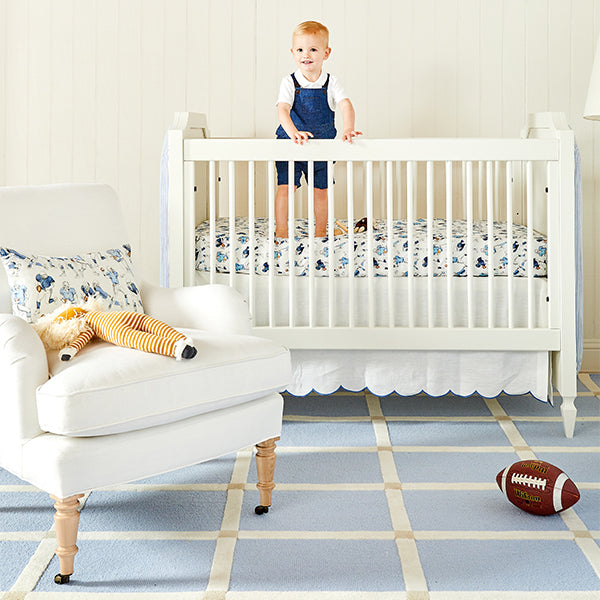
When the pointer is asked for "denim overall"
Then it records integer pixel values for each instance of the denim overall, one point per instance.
(310, 112)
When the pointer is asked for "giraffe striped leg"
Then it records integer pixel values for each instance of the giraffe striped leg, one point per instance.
(77, 344)
(124, 329)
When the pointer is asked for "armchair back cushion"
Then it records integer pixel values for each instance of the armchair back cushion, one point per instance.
(58, 220)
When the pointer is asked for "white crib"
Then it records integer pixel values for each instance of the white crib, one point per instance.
(403, 306)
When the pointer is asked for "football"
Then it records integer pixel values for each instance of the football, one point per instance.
(537, 487)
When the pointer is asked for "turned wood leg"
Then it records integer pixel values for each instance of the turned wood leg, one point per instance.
(67, 522)
(569, 415)
(265, 469)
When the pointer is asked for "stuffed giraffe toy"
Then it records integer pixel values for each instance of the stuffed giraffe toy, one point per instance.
(71, 329)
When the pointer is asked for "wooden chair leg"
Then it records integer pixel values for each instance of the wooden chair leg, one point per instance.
(66, 519)
(265, 469)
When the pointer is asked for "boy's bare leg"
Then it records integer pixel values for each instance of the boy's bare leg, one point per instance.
(320, 212)
(281, 211)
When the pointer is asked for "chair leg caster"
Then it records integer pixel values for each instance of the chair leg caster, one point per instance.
(60, 579)
(261, 510)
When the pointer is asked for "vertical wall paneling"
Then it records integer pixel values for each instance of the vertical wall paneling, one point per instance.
(61, 91)
(197, 75)
(375, 72)
(153, 111)
(559, 55)
(129, 122)
(594, 194)
(88, 88)
(401, 65)
(85, 63)
(490, 44)
(3, 114)
(243, 65)
(267, 76)
(424, 69)
(107, 91)
(513, 67)
(536, 62)
(38, 132)
(445, 80)
(468, 68)
(17, 92)
(174, 93)
(220, 50)
(357, 61)
(583, 48)
(175, 58)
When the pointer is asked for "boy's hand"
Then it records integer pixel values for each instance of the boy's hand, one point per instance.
(349, 134)
(302, 136)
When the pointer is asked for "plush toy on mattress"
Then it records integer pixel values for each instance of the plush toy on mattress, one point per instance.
(71, 329)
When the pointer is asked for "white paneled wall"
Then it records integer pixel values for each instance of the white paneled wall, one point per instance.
(88, 87)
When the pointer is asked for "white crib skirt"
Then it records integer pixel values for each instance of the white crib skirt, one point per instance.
(407, 372)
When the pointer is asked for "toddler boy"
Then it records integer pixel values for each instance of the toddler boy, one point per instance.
(305, 108)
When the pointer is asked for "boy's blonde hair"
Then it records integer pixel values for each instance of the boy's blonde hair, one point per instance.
(312, 27)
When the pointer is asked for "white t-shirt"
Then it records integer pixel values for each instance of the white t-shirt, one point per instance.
(335, 92)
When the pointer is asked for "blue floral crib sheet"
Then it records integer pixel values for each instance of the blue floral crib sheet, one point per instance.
(515, 259)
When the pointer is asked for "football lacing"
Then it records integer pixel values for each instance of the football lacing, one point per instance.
(529, 481)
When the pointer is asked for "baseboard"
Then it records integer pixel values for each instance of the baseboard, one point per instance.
(591, 356)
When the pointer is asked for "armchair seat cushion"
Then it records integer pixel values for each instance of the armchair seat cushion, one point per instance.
(107, 389)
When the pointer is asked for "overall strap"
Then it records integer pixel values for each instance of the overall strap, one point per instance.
(296, 84)
(326, 82)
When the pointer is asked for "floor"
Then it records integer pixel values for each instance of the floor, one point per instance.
(376, 499)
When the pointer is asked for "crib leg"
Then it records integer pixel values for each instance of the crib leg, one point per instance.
(265, 469)
(66, 519)
(569, 413)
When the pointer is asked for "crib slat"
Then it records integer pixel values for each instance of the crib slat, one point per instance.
(291, 245)
(231, 217)
(398, 210)
(430, 191)
(330, 240)
(251, 241)
(382, 185)
(350, 212)
(529, 188)
(490, 241)
(480, 181)
(509, 241)
(311, 242)
(371, 292)
(270, 261)
(449, 267)
(469, 244)
(390, 247)
(497, 190)
(464, 186)
(212, 217)
(411, 168)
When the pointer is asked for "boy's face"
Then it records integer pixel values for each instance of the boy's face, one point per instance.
(309, 51)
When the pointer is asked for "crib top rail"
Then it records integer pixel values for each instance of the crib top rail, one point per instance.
(413, 149)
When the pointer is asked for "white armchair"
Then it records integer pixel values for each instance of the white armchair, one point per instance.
(113, 414)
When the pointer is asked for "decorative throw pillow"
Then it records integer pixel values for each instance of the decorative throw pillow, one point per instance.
(39, 284)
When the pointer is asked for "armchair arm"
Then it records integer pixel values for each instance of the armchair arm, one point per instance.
(23, 367)
(216, 308)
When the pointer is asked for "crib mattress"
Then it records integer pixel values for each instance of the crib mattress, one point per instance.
(505, 257)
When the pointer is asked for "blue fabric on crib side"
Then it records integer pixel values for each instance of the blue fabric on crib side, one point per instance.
(578, 259)
(164, 213)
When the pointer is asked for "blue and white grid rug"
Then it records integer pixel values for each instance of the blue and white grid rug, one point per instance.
(377, 499)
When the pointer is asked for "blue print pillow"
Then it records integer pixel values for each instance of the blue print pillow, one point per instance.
(41, 284)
